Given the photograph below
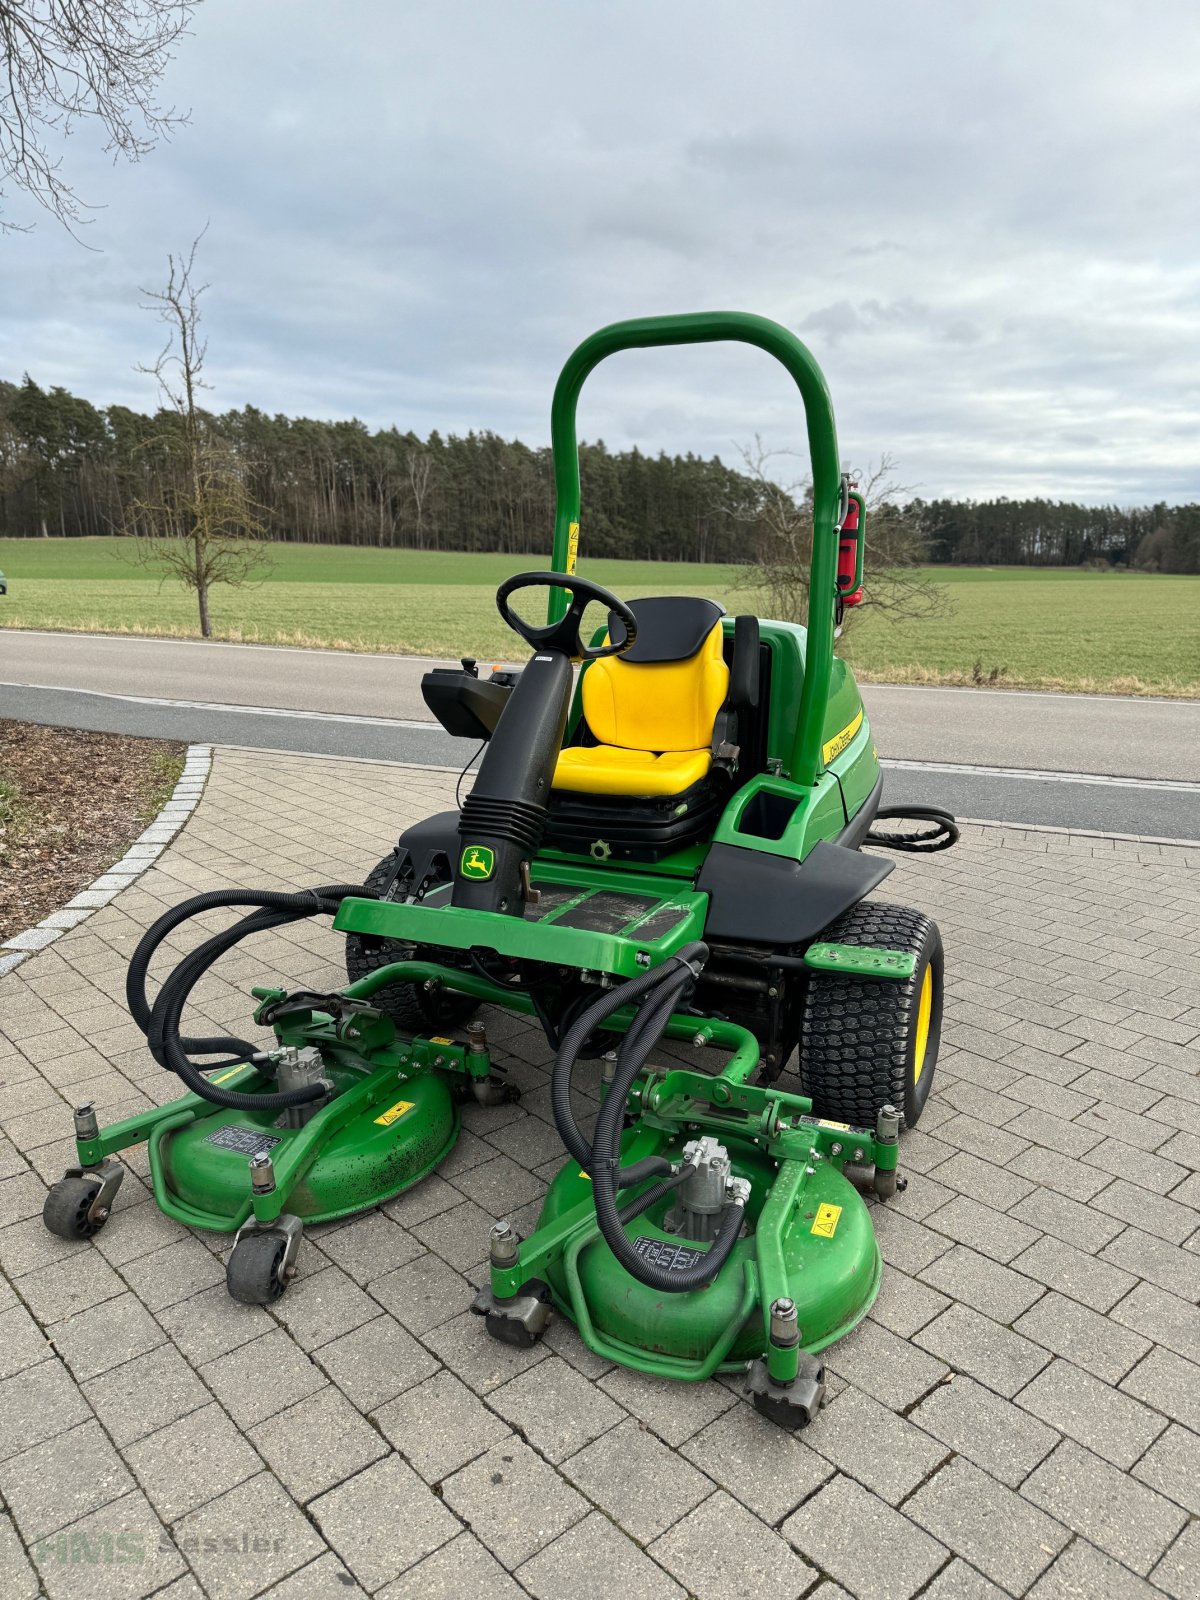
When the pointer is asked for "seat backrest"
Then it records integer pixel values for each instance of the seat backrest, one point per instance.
(665, 692)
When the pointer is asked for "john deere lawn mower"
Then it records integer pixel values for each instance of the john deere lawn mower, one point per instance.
(664, 846)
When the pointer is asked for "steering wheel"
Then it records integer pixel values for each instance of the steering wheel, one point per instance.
(564, 634)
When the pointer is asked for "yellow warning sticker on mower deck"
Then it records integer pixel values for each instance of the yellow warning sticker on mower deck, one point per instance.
(394, 1113)
(825, 1222)
(572, 546)
(834, 747)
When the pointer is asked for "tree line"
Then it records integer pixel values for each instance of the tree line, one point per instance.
(69, 468)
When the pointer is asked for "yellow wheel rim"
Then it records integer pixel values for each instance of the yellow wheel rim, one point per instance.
(924, 1009)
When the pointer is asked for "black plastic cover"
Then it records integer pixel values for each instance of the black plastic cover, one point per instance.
(670, 627)
(466, 706)
(743, 671)
(766, 899)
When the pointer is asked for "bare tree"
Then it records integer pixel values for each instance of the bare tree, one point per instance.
(68, 61)
(780, 515)
(204, 526)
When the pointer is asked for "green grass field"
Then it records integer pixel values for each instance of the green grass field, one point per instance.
(1124, 633)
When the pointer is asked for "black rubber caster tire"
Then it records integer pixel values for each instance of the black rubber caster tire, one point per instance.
(254, 1272)
(412, 1007)
(792, 1418)
(866, 1043)
(65, 1211)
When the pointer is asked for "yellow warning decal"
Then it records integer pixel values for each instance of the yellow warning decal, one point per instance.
(822, 1122)
(394, 1113)
(438, 1038)
(826, 1221)
(834, 747)
(225, 1076)
(572, 546)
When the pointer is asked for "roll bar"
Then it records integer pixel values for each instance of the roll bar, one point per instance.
(707, 327)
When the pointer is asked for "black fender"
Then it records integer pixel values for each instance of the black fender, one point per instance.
(429, 849)
(756, 898)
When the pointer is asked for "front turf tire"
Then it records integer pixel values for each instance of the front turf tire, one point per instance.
(412, 1007)
(866, 1043)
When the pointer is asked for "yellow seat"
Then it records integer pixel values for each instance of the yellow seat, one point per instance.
(653, 720)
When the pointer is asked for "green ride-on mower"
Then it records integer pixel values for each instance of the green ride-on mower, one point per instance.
(667, 847)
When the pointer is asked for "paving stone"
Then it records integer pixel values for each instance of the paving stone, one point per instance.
(424, 1200)
(1150, 1212)
(1169, 1384)
(974, 1344)
(987, 1524)
(675, 1411)
(174, 1273)
(499, 1187)
(63, 1479)
(993, 1232)
(325, 1578)
(868, 1442)
(21, 1197)
(122, 1547)
(1172, 1466)
(556, 1408)
(1092, 1413)
(483, 1363)
(903, 1304)
(144, 1394)
(513, 1501)
(439, 1426)
(186, 1464)
(247, 1539)
(258, 1379)
(958, 1581)
(462, 1567)
(1110, 1509)
(369, 1246)
(965, 1275)
(1083, 1336)
(22, 1342)
(722, 1552)
(424, 1293)
(583, 1561)
(376, 1362)
(1179, 1570)
(210, 1324)
(997, 1187)
(1081, 1277)
(615, 1470)
(1082, 1573)
(18, 1580)
(95, 1341)
(1173, 1269)
(894, 1370)
(323, 1307)
(65, 1287)
(907, 1245)
(317, 1444)
(36, 1404)
(992, 1432)
(857, 1539)
(1067, 1138)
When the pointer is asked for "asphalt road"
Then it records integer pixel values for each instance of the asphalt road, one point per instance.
(1096, 762)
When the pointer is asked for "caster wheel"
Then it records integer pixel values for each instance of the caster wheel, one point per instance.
(68, 1207)
(257, 1273)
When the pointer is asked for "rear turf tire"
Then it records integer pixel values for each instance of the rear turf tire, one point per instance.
(412, 1007)
(866, 1043)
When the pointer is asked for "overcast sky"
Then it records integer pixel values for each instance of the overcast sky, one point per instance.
(984, 219)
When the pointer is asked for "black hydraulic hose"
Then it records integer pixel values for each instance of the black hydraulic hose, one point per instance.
(655, 1192)
(943, 833)
(568, 1051)
(161, 1021)
(605, 1166)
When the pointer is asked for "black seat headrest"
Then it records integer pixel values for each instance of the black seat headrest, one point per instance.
(670, 627)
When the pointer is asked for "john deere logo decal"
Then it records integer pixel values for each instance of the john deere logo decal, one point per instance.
(477, 861)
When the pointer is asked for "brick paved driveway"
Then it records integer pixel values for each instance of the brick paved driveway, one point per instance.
(1019, 1414)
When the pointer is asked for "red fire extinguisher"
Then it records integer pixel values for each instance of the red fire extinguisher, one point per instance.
(849, 574)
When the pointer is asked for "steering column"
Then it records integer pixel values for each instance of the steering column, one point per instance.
(503, 818)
